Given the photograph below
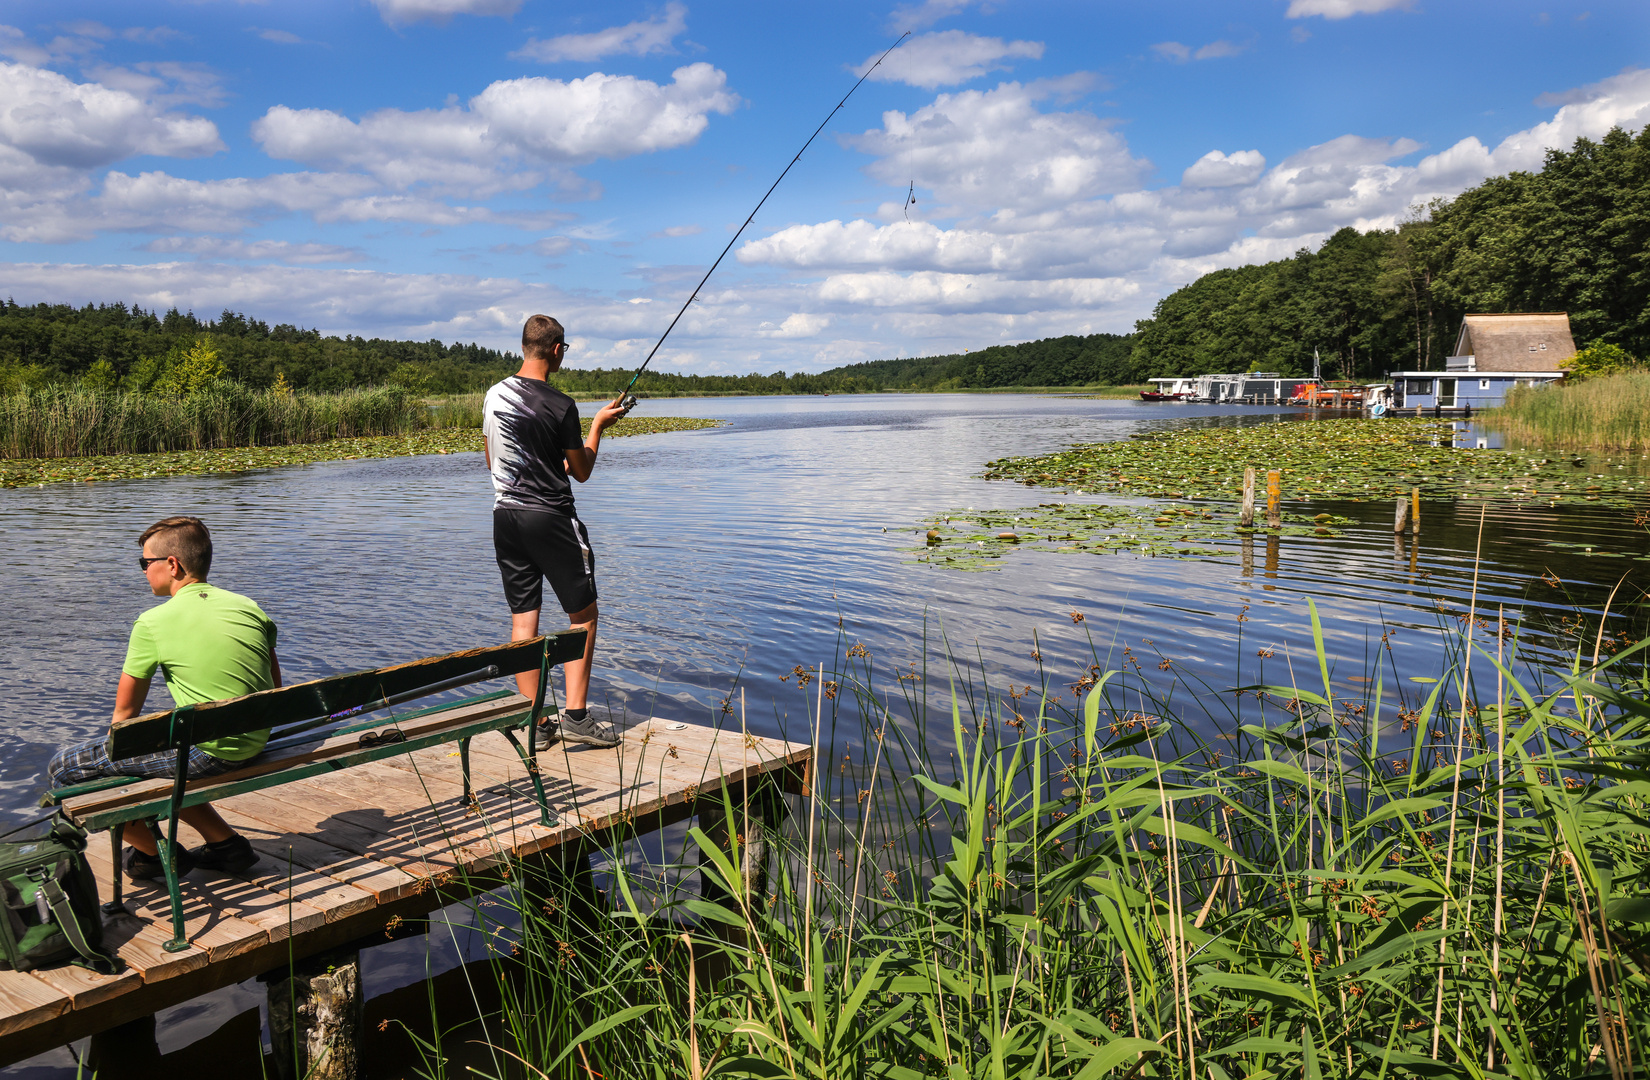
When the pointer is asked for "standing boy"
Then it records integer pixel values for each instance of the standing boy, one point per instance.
(211, 644)
(533, 445)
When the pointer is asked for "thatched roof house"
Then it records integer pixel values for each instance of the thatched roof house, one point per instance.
(1538, 341)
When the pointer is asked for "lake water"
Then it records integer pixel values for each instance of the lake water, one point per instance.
(738, 549)
(775, 540)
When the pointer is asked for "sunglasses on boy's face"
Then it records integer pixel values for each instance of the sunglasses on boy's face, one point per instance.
(143, 563)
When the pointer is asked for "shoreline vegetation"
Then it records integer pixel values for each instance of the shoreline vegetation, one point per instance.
(1346, 458)
(1608, 412)
(1327, 874)
(434, 440)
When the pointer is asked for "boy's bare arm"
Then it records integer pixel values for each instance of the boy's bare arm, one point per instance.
(129, 697)
(581, 460)
(131, 693)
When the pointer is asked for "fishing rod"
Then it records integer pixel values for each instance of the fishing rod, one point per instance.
(627, 400)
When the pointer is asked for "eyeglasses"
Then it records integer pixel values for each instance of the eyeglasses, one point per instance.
(143, 563)
(564, 347)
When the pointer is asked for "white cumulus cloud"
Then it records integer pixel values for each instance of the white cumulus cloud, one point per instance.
(479, 148)
(1343, 9)
(57, 121)
(948, 57)
(994, 148)
(214, 247)
(1216, 169)
(798, 324)
(1106, 251)
(439, 11)
(632, 39)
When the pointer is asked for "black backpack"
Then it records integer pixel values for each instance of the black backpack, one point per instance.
(49, 900)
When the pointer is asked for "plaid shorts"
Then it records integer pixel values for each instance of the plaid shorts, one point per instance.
(90, 760)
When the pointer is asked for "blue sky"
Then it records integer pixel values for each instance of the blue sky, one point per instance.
(444, 168)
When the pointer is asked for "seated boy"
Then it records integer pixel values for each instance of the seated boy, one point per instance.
(210, 644)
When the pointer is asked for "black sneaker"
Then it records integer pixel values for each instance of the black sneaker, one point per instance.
(232, 856)
(140, 866)
(585, 732)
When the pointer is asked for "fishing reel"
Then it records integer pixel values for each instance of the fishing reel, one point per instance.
(627, 403)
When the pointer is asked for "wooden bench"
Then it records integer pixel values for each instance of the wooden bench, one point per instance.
(310, 733)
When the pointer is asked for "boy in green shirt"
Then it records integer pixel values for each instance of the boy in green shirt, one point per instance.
(210, 644)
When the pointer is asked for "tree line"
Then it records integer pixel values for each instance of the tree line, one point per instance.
(128, 347)
(1573, 237)
(116, 347)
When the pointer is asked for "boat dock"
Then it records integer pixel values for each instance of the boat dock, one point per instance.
(349, 854)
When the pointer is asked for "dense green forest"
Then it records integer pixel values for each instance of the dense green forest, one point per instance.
(119, 347)
(1573, 237)
(47, 343)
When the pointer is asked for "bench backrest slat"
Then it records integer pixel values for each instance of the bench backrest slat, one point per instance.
(154, 732)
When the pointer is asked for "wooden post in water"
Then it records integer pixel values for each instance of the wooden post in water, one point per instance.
(1400, 521)
(1415, 511)
(315, 1018)
(1246, 516)
(1274, 499)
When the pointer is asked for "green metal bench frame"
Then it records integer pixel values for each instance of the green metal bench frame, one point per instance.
(297, 710)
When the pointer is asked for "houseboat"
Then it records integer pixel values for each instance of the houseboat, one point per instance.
(1493, 353)
(1170, 390)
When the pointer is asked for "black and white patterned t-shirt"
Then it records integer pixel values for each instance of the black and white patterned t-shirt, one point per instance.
(528, 425)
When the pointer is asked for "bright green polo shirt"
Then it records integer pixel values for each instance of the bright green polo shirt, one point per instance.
(210, 644)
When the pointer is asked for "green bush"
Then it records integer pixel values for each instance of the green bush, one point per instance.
(1590, 363)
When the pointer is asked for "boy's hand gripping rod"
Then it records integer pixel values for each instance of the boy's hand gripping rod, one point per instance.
(627, 400)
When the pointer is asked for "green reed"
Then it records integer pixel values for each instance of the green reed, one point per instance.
(1427, 878)
(1609, 411)
(457, 411)
(60, 422)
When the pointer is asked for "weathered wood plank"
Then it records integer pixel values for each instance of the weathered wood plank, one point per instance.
(87, 988)
(26, 1001)
(220, 936)
(384, 883)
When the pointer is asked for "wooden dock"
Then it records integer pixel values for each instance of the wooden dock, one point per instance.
(349, 854)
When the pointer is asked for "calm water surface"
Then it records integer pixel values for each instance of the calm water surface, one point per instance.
(739, 549)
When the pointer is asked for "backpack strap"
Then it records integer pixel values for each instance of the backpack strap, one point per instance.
(69, 923)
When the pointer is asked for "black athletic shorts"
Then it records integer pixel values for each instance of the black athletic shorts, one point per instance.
(532, 545)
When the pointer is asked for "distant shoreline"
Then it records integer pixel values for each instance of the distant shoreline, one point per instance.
(38, 472)
(1119, 392)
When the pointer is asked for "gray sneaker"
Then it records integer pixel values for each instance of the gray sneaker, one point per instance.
(586, 732)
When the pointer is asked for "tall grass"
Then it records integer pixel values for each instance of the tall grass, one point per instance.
(1400, 883)
(1610, 411)
(457, 411)
(73, 422)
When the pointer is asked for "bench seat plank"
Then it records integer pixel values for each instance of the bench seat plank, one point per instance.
(100, 804)
(153, 732)
(100, 814)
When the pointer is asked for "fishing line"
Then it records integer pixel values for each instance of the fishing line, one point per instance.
(627, 400)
